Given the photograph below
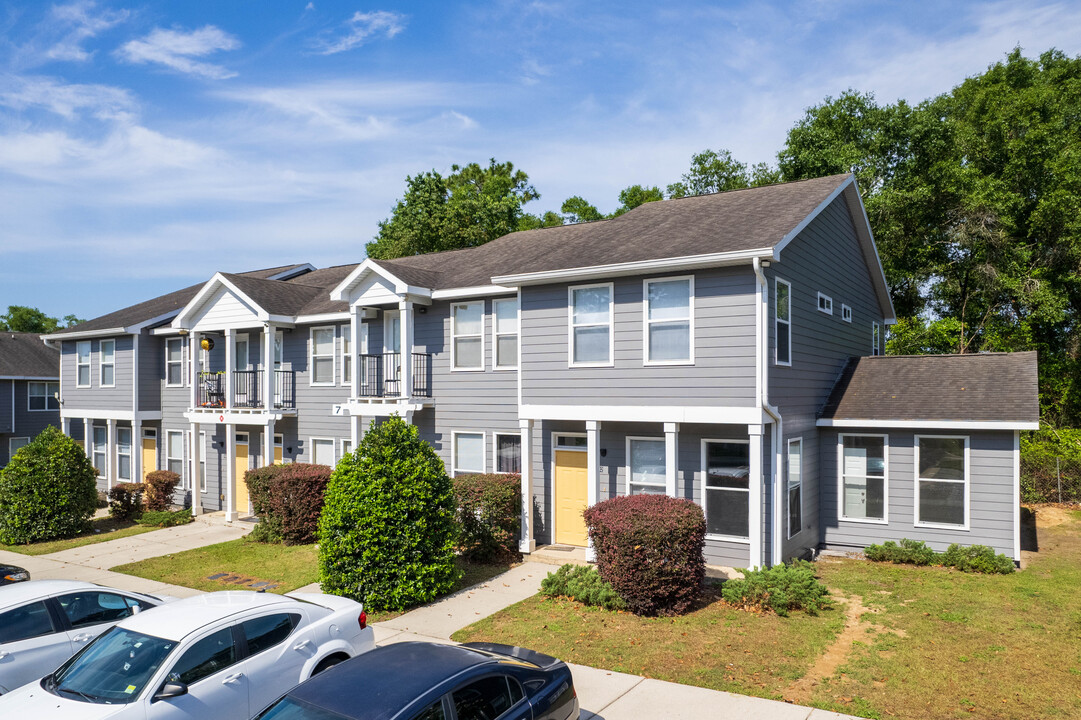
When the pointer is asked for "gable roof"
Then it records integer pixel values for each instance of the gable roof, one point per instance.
(991, 389)
(23, 355)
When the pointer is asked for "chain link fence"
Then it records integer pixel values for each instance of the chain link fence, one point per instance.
(1049, 475)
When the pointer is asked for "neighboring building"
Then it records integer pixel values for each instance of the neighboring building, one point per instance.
(690, 347)
(29, 386)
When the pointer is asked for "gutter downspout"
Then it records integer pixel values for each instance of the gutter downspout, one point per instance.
(771, 410)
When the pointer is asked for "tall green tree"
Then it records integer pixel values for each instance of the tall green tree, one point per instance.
(714, 171)
(20, 318)
(636, 195)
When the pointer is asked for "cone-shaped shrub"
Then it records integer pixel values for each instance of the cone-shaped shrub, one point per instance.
(387, 531)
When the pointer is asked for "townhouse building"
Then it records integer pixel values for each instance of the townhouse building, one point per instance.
(29, 390)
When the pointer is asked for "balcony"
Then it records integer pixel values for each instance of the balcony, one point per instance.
(380, 376)
(247, 390)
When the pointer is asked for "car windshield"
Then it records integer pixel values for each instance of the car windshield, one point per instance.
(113, 669)
(292, 709)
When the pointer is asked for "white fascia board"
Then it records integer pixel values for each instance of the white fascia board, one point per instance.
(727, 415)
(139, 327)
(280, 320)
(167, 330)
(791, 234)
(658, 265)
(322, 317)
(890, 316)
(181, 320)
(476, 291)
(98, 414)
(33, 378)
(928, 424)
(83, 334)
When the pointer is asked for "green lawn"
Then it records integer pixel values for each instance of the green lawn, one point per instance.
(103, 529)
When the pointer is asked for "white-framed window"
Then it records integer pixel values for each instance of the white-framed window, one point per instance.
(323, 451)
(42, 396)
(82, 364)
(863, 482)
(505, 333)
(202, 462)
(467, 336)
(241, 358)
(322, 356)
(467, 453)
(100, 448)
(508, 453)
(347, 447)
(795, 486)
(174, 362)
(876, 339)
(107, 363)
(825, 304)
(174, 452)
(590, 331)
(668, 321)
(782, 321)
(14, 444)
(846, 313)
(645, 466)
(726, 466)
(123, 454)
(347, 354)
(571, 442)
(942, 492)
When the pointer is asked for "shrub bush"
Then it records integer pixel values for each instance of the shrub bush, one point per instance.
(649, 548)
(268, 529)
(978, 559)
(165, 518)
(160, 485)
(126, 501)
(913, 552)
(781, 588)
(489, 513)
(582, 584)
(47, 491)
(296, 497)
(387, 532)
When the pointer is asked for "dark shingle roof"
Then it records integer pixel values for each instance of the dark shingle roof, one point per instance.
(983, 387)
(25, 355)
(274, 296)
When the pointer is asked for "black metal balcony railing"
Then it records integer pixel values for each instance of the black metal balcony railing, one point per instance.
(381, 375)
(284, 389)
(247, 389)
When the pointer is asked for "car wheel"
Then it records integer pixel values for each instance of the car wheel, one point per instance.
(328, 662)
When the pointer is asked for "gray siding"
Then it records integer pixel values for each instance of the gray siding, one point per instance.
(27, 423)
(7, 388)
(991, 480)
(151, 370)
(96, 397)
(724, 354)
(314, 418)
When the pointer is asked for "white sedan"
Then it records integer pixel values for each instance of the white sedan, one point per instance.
(44, 622)
(222, 655)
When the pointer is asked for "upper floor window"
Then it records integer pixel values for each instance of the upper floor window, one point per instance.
(240, 354)
(174, 362)
(825, 303)
(591, 325)
(322, 356)
(846, 313)
(347, 354)
(42, 396)
(82, 363)
(876, 339)
(467, 335)
(669, 320)
(942, 481)
(505, 330)
(782, 320)
(107, 363)
(863, 477)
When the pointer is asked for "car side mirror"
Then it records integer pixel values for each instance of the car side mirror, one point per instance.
(171, 690)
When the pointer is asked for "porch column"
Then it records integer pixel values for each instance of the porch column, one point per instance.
(65, 426)
(754, 484)
(88, 438)
(355, 430)
(197, 450)
(137, 451)
(195, 352)
(110, 453)
(593, 474)
(406, 309)
(354, 351)
(230, 471)
(527, 544)
(230, 365)
(268, 445)
(671, 458)
(271, 377)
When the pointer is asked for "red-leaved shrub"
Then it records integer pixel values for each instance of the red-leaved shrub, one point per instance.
(126, 500)
(649, 548)
(289, 499)
(490, 514)
(160, 485)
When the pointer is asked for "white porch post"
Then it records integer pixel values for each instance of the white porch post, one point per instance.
(268, 444)
(197, 450)
(65, 426)
(230, 471)
(754, 483)
(406, 309)
(593, 474)
(355, 432)
(268, 370)
(136, 451)
(671, 458)
(195, 352)
(527, 544)
(230, 365)
(88, 438)
(354, 351)
(110, 453)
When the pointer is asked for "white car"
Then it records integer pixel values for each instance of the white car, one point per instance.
(44, 622)
(223, 655)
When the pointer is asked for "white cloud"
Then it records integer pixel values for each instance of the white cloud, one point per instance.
(83, 24)
(64, 99)
(176, 49)
(359, 28)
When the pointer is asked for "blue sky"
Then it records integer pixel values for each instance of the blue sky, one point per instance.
(146, 145)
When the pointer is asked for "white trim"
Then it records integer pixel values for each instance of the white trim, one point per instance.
(102, 363)
(179, 362)
(103, 471)
(312, 356)
(341, 291)
(828, 309)
(131, 453)
(495, 449)
(88, 364)
(776, 333)
(788, 489)
(182, 459)
(84, 334)
(874, 424)
(311, 454)
(710, 414)
(237, 339)
(967, 481)
(13, 439)
(454, 469)
(183, 319)
(589, 272)
(47, 395)
(556, 434)
(323, 317)
(846, 313)
(496, 334)
(611, 326)
(628, 470)
(794, 232)
(467, 292)
(885, 519)
(704, 461)
(347, 354)
(1016, 495)
(149, 433)
(96, 414)
(454, 335)
(646, 322)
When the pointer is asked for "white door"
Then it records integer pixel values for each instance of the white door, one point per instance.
(392, 343)
(275, 656)
(29, 647)
(217, 684)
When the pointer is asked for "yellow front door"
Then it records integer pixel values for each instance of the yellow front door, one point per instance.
(241, 468)
(150, 456)
(571, 487)
(277, 449)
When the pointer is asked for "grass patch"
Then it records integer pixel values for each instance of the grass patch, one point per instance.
(102, 529)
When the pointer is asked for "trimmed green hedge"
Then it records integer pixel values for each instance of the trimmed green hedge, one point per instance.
(583, 584)
(165, 518)
(490, 515)
(974, 558)
(781, 588)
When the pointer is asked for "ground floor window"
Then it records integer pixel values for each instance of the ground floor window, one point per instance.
(14, 444)
(795, 486)
(123, 454)
(174, 452)
(202, 460)
(727, 466)
(347, 447)
(323, 451)
(100, 445)
(942, 481)
(468, 453)
(645, 466)
(508, 453)
(863, 477)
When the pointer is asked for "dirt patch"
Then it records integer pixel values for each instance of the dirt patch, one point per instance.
(1052, 515)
